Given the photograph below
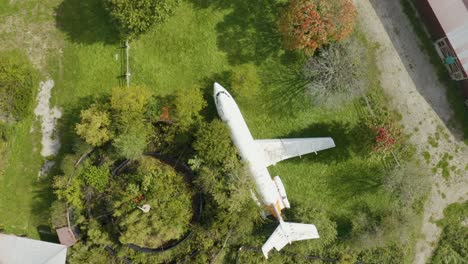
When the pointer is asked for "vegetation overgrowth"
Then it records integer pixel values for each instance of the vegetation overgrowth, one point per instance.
(356, 196)
(452, 246)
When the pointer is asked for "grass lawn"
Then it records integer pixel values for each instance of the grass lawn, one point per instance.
(196, 47)
(24, 199)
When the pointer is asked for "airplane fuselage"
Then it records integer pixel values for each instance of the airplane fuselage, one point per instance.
(248, 148)
(258, 155)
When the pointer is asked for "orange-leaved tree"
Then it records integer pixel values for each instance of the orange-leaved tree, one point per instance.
(308, 24)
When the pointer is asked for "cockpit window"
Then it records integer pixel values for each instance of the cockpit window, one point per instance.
(222, 92)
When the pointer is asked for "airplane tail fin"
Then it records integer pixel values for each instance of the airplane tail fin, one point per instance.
(287, 233)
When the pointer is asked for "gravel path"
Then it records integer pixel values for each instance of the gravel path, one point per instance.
(409, 79)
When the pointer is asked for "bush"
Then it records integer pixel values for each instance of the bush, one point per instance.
(310, 24)
(453, 246)
(338, 73)
(136, 17)
(16, 87)
(244, 80)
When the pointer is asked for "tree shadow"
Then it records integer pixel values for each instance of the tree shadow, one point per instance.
(42, 200)
(210, 112)
(250, 32)
(355, 179)
(286, 90)
(66, 125)
(47, 234)
(85, 21)
(350, 140)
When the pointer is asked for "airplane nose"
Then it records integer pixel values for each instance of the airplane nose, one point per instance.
(217, 88)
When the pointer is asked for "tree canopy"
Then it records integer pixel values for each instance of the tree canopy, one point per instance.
(338, 73)
(94, 127)
(310, 24)
(136, 17)
(188, 103)
(160, 186)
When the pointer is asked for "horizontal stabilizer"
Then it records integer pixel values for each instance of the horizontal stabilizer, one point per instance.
(289, 232)
(277, 150)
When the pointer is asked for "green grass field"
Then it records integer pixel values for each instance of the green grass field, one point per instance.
(196, 46)
(25, 197)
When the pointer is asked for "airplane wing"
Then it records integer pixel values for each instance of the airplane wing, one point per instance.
(277, 240)
(295, 232)
(302, 231)
(280, 149)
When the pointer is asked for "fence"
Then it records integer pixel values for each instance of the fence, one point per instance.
(125, 64)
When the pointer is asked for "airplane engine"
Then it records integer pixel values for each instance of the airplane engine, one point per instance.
(281, 191)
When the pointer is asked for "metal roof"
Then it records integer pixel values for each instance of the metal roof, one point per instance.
(453, 17)
(19, 250)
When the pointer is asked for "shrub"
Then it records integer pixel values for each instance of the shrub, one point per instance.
(244, 80)
(136, 17)
(16, 87)
(309, 24)
(338, 73)
(453, 246)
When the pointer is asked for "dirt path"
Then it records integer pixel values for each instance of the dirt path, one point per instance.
(411, 82)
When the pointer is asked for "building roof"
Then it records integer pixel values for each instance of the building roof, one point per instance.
(19, 250)
(66, 236)
(453, 17)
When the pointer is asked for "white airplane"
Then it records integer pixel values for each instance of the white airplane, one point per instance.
(259, 154)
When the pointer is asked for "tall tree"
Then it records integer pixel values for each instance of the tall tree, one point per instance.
(129, 103)
(136, 17)
(188, 103)
(94, 127)
(309, 24)
(160, 186)
(132, 142)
